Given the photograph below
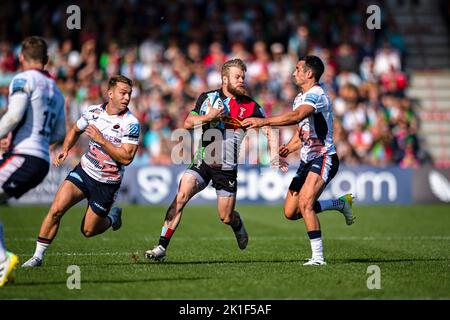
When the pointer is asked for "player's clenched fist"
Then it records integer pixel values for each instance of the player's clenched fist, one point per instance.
(283, 151)
(95, 134)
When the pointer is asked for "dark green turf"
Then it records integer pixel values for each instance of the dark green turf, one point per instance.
(411, 245)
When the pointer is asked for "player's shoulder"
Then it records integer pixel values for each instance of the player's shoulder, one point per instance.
(211, 94)
(313, 96)
(317, 89)
(22, 81)
(130, 118)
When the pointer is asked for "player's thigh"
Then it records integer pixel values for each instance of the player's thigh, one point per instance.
(225, 183)
(92, 219)
(291, 202)
(67, 196)
(291, 208)
(320, 172)
(191, 183)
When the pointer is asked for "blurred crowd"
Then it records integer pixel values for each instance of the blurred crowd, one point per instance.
(174, 50)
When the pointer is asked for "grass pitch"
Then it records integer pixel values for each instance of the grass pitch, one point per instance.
(410, 245)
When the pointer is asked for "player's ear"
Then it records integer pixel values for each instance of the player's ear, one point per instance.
(110, 93)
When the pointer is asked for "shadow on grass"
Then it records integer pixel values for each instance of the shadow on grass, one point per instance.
(119, 281)
(371, 260)
(231, 262)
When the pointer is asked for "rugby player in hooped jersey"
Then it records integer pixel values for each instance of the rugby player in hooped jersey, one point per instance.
(35, 119)
(114, 137)
(319, 162)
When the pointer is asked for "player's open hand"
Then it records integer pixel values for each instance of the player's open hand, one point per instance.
(95, 134)
(253, 123)
(60, 158)
(215, 114)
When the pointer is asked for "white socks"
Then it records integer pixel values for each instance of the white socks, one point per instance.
(315, 237)
(40, 249)
(336, 204)
(317, 248)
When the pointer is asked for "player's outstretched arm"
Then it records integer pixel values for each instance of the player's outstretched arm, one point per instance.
(70, 140)
(123, 154)
(285, 119)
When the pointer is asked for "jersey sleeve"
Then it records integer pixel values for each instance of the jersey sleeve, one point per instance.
(315, 100)
(258, 111)
(20, 84)
(131, 134)
(83, 122)
(198, 104)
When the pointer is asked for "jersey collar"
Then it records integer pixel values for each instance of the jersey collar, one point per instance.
(103, 106)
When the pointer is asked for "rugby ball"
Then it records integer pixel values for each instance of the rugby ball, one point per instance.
(213, 100)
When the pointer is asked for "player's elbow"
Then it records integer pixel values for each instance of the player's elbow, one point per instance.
(126, 161)
(187, 124)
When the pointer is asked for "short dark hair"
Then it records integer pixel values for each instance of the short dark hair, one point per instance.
(119, 78)
(35, 49)
(315, 64)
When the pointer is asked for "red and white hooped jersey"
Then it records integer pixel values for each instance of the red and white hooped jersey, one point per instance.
(316, 131)
(117, 129)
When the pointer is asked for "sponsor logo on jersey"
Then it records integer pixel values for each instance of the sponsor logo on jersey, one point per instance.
(18, 85)
(241, 112)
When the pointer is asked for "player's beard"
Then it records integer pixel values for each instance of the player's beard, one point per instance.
(236, 91)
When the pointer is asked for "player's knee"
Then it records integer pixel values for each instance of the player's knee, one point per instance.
(291, 215)
(56, 214)
(182, 198)
(305, 204)
(87, 232)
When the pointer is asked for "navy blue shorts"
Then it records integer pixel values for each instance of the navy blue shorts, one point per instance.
(100, 196)
(325, 166)
(20, 173)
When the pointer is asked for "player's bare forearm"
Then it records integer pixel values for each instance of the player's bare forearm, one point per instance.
(290, 118)
(123, 154)
(71, 138)
(194, 120)
(285, 119)
(294, 144)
